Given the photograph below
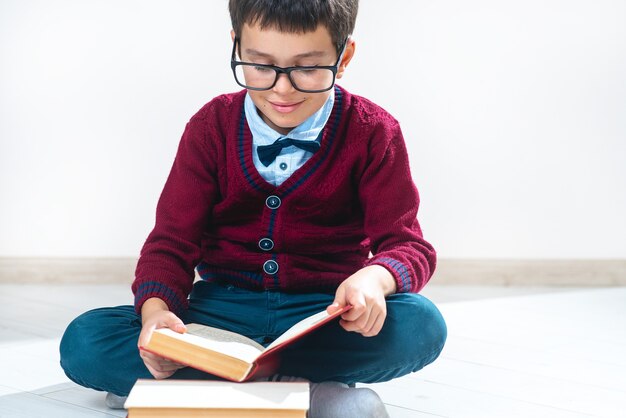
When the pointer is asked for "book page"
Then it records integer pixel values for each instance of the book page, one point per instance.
(214, 339)
(301, 327)
(220, 335)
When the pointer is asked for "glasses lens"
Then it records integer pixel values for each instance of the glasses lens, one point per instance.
(306, 79)
(254, 76)
(313, 79)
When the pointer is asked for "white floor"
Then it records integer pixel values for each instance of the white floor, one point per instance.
(511, 352)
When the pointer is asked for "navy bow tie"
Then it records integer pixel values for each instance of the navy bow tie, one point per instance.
(268, 153)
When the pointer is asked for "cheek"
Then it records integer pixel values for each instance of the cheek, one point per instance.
(316, 103)
(257, 98)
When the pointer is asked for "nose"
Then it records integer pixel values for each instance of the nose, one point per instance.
(283, 84)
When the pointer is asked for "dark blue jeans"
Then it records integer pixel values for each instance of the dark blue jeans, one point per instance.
(99, 348)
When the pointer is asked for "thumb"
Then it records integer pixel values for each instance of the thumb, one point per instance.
(175, 324)
(339, 302)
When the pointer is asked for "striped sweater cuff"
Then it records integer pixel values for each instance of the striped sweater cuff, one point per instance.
(400, 272)
(152, 289)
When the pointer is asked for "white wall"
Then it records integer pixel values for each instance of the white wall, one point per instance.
(514, 114)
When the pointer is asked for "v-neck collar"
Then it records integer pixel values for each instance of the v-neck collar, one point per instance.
(298, 177)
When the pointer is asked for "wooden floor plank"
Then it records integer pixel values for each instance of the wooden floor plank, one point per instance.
(526, 387)
(585, 368)
(27, 405)
(87, 398)
(453, 401)
(31, 366)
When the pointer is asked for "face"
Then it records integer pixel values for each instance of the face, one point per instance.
(283, 107)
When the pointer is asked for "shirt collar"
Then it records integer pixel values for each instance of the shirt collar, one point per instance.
(309, 130)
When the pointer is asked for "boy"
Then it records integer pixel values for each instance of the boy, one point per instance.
(277, 195)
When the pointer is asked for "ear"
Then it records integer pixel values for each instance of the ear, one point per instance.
(232, 35)
(347, 57)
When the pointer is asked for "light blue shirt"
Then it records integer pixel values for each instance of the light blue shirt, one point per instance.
(290, 158)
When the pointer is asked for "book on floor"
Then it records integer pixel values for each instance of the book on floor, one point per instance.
(227, 354)
(205, 398)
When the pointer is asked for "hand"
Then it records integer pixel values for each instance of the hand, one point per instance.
(365, 290)
(154, 315)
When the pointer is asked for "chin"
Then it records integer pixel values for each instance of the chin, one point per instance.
(288, 124)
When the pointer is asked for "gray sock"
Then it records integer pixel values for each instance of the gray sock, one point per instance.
(333, 399)
(114, 401)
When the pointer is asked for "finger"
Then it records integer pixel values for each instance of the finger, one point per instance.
(339, 301)
(167, 367)
(366, 323)
(150, 360)
(331, 309)
(161, 365)
(350, 326)
(379, 312)
(358, 309)
(158, 374)
(146, 355)
(169, 363)
(371, 321)
(361, 321)
(376, 326)
(157, 361)
(161, 368)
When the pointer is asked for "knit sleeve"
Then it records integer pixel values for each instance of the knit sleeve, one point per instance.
(172, 250)
(390, 202)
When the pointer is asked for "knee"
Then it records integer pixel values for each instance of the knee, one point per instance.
(420, 326)
(434, 329)
(81, 343)
(75, 344)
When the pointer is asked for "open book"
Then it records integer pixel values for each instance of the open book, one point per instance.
(204, 398)
(227, 354)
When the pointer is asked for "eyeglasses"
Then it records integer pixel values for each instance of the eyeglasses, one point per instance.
(307, 79)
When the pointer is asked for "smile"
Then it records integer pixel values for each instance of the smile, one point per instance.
(285, 107)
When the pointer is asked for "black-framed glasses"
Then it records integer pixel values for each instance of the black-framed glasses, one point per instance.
(307, 79)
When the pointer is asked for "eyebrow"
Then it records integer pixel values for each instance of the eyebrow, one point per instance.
(310, 54)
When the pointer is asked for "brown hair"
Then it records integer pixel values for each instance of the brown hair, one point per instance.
(296, 16)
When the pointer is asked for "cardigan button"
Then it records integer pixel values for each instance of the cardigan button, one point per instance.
(273, 202)
(270, 267)
(266, 244)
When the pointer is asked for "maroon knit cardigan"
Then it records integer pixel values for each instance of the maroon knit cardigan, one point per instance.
(217, 214)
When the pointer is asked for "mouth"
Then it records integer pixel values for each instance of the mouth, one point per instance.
(286, 107)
